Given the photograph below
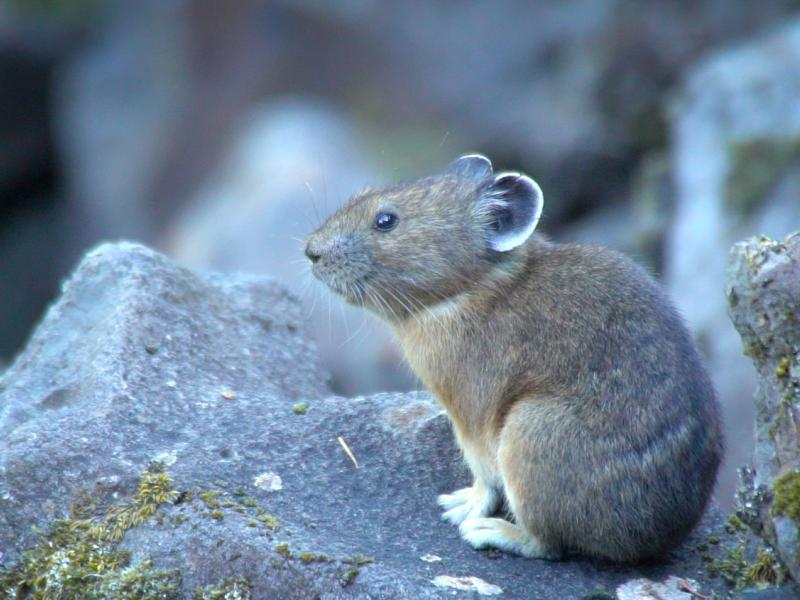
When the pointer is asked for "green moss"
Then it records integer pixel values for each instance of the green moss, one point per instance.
(217, 515)
(734, 569)
(155, 489)
(787, 495)
(271, 522)
(735, 525)
(783, 367)
(766, 570)
(713, 539)
(79, 558)
(359, 560)
(300, 408)
(250, 502)
(309, 557)
(283, 550)
(756, 165)
(236, 588)
(210, 498)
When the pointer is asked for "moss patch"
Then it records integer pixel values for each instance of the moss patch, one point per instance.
(782, 370)
(766, 570)
(309, 557)
(283, 550)
(210, 498)
(220, 502)
(735, 525)
(787, 495)
(79, 559)
(359, 560)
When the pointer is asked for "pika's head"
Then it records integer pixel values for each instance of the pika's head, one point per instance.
(399, 249)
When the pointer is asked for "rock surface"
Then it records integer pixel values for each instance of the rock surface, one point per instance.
(141, 360)
(736, 160)
(764, 302)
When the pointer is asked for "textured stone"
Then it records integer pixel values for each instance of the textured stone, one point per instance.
(764, 303)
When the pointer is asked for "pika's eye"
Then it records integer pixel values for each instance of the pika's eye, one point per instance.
(386, 221)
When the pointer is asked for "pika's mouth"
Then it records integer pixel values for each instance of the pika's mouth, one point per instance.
(351, 292)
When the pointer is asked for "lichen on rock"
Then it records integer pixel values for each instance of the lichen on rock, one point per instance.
(764, 301)
(79, 559)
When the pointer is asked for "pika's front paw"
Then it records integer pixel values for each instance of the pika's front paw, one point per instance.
(499, 533)
(468, 503)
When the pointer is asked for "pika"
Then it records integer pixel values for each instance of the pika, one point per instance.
(574, 390)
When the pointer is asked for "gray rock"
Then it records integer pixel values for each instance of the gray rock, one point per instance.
(134, 347)
(736, 160)
(141, 360)
(764, 300)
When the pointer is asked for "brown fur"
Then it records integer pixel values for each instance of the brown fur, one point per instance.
(573, 387)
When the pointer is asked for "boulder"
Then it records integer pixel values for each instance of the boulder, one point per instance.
(170, 435)
(764, 303)
(736, 166)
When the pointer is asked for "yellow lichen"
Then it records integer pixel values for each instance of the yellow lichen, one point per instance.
(783, 367)
(271, 522)
(79, 558)
(309, 557)
(787, 495)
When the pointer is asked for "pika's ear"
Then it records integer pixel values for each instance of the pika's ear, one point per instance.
(509, 206)
(472, 166)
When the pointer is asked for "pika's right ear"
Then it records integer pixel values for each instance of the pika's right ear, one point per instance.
(509, 208)
(472, 166)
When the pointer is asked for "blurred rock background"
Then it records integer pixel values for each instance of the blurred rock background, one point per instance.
(222, 132)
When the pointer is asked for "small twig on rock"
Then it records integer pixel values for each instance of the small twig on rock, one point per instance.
(686, 587)
(347, 450)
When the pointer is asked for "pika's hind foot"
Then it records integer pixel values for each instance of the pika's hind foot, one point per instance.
(469, 503)
(504, 535)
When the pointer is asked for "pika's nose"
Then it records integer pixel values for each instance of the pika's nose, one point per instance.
(311, 254)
